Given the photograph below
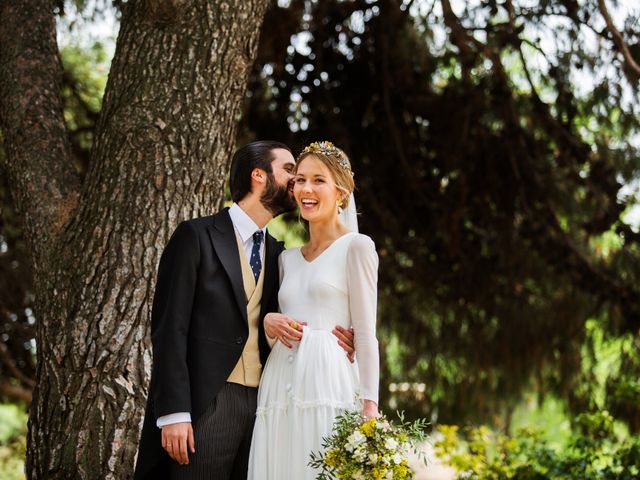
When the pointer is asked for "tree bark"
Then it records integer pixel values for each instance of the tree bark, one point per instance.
(161, 154)
(44, 185)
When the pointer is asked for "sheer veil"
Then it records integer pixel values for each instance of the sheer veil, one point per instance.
(349, 215)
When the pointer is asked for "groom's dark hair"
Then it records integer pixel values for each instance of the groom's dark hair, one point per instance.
(253, 155)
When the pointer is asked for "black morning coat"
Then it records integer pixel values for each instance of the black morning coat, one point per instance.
(198, 326)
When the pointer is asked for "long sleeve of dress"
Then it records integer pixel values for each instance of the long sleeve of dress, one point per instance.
(362, 279)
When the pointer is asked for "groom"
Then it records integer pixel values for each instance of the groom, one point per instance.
(217, 279)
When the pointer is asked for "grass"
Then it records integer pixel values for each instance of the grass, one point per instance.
(548, 416)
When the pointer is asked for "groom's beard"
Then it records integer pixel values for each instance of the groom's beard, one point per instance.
(276, 198)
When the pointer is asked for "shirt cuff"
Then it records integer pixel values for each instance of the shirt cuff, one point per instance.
(172, 418)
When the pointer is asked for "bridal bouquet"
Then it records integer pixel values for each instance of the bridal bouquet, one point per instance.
(374, 449)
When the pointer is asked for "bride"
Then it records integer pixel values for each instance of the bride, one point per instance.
(332, 280)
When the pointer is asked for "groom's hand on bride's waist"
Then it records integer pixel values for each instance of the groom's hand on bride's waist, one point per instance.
(345, 340)
(176, 439)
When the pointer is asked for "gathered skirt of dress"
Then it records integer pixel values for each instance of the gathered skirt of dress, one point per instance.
(302, 391)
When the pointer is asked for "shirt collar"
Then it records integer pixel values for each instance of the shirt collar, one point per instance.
(243, 223)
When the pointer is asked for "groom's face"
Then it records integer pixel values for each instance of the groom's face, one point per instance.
(278, 194)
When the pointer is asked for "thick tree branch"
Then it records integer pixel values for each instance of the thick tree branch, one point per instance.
(15, 392)
(617, 38)
(459, 36)
(10, 365)
(43, 182)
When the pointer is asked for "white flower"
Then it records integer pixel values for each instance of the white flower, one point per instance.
(373, 458)
(360, 454)
(397, 458)
(388, 475)
(405, 448)
(384, 425)
(391, 443)
(358, 476)
(355, 439)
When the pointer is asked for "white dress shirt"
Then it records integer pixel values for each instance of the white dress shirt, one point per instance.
(244, 227)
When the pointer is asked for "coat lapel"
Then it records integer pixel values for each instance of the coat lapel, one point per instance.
(224, 242)
(271, 273)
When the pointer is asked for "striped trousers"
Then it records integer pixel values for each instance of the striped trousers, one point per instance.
(222, 437)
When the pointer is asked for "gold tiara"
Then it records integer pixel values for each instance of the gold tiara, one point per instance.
(329, 149)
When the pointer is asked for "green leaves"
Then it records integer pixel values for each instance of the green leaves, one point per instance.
(13, 443)
(594, 452)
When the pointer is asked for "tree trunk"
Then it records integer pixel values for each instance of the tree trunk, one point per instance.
(161, 153)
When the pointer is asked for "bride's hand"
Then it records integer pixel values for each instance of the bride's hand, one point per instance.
(370, 409)
(283, 327)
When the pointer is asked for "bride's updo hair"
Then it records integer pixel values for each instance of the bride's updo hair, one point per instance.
(336, 161)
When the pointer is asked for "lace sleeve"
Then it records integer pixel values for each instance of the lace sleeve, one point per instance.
(362, 278)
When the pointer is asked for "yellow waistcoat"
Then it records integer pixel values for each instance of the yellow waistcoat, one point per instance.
(248, 369)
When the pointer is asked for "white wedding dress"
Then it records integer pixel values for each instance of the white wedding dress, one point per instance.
(303, 389)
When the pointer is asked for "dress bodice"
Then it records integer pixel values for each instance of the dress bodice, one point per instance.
(316, 291)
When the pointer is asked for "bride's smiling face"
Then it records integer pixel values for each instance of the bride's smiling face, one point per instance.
(315, 190)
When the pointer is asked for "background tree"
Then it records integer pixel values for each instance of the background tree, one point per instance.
(160, 152)
(491, 143)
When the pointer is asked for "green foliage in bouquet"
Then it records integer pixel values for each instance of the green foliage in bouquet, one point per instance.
(594, 452)
(374, 449)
